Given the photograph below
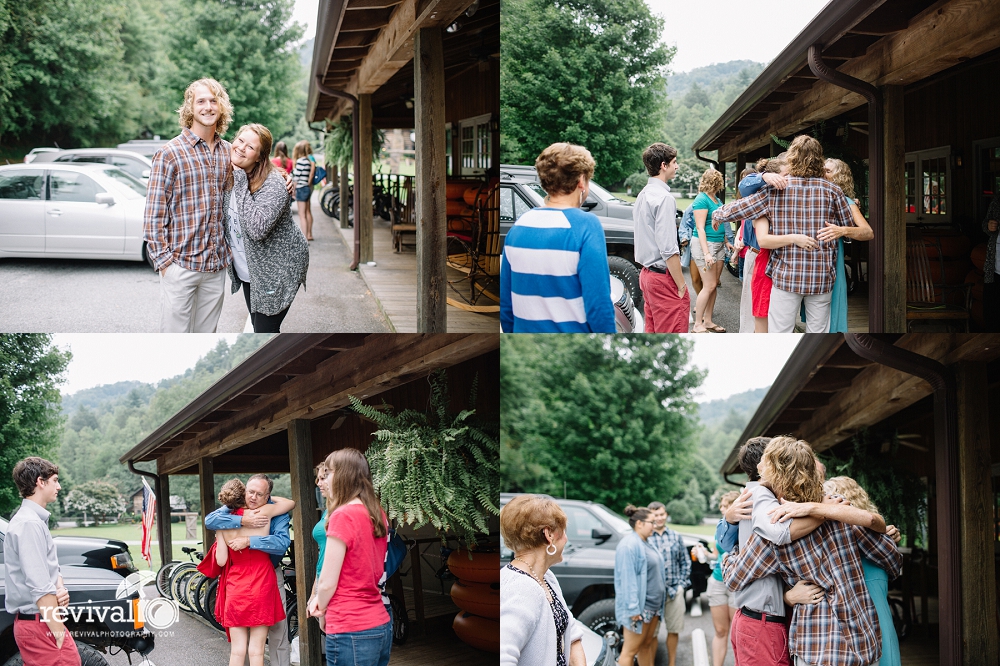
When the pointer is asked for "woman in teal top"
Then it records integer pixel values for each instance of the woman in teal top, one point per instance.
(876, 579)
(838, 173)
(707, 249)
(319, 531)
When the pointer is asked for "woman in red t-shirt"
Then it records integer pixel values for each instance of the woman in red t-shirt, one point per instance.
(348, 602)
(281, 158)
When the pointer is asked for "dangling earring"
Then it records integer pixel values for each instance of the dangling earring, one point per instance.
(553, 547)
(581, 198)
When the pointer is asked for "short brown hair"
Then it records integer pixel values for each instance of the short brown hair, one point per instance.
(805, 157)
(771, 164)
(711, 181)
(657, 155)
(750, 454)
(789, 469)
(233, 494)
(28, 471)
(560, 166)
(524, 519)
(635, 514)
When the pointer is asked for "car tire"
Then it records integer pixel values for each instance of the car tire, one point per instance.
(146, 257)
(625, 270)
(600, 618)
(88, 657)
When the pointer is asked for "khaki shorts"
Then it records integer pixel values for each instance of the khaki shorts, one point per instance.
(673, 613)
(718, 594)
(717, 250)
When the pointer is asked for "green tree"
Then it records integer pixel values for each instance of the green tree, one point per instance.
(611, 417)
(249, 46)
(584, 71)
(30, 421)
(95, 499)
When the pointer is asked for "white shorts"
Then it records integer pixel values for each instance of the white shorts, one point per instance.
(718, 594)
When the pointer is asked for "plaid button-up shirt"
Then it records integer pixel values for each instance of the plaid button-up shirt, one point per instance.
(183, 221)
(843, 628)
(804, 207)
(676, 561)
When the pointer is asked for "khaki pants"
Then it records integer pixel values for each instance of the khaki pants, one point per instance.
(190, 301)
(784, 311)
(278, 648)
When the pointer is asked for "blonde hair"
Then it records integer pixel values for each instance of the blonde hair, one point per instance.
(849, 488)
(186, 111)
(772, 164)
(262, 168)
(729, 497)
(560, 166)
(805, 157)
(788, 468)
(524, 518)
(711, 182)
(301, 149)
(840, 175)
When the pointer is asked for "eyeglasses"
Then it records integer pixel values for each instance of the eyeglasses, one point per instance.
(254, 493)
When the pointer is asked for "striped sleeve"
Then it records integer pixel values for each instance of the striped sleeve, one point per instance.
(595, 279)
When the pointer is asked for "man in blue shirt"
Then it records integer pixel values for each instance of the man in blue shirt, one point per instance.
(259, 488)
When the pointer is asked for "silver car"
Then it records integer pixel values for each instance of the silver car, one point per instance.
(78, 211)
(129, 161)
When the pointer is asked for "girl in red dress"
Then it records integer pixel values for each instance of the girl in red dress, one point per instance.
(248, 602)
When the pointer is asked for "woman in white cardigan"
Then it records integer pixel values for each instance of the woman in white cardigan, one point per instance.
(536, 625)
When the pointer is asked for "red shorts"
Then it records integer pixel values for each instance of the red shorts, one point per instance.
(759, 643)
(664, 310)
(760, 285)
(38, 645)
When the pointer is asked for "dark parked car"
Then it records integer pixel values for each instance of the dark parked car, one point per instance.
(587, 572)
(520, 191)
(93, 571)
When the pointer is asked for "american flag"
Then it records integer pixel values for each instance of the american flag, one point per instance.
(148, 511)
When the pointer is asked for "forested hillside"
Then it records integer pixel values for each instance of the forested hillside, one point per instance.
(106, 421)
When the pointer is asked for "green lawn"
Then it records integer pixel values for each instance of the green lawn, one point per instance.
(125, 532)
(702, 530)
(682, 204)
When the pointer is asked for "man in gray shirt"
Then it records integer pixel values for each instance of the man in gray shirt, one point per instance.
(35, 592)
(666, 303)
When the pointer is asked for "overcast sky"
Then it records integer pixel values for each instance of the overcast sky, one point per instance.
(738, 363)
(724, 30)
(108, 358)
(305, 13)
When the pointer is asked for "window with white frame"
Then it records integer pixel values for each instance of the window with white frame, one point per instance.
(928, 186)
(476, 141)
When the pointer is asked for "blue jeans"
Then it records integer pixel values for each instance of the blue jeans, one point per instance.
(360, 648)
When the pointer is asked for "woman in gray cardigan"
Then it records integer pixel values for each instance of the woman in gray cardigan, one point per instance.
(536, 625)
(270, 254)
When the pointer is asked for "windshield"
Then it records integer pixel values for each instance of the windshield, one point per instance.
(134, 189)
(616, 522)
(536, 190)
(602, 193)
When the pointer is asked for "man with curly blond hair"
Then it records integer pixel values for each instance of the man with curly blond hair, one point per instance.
(803, 267)
(820, 554)
(183, 224)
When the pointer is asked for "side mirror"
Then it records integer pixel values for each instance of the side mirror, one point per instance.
(146, 173)
(105, 198)
(589, 205)
(599, 536)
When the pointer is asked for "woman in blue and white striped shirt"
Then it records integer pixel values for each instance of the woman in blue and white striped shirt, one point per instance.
(303, 177)
(554, 275)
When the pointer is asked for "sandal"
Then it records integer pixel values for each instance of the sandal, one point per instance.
(715, 328)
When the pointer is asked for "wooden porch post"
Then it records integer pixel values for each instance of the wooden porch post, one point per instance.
(163, 518)
(301, 467)
(722, 168)
(893, 221)
(364, 216)
(979, 607)
(345, 197)
(206, 481)
(432, 227)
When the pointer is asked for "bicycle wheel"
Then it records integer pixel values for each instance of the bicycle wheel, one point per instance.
(292, 618)
(199, 595)
(209, 605)
(163, 578)
(177, 585)
(400, 621)
(191, 590)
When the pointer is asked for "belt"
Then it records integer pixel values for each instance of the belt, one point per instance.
(656, 269)
(29, 617)
(753, 249)
(754, 615)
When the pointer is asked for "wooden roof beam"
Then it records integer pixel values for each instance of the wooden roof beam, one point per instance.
(387, 360)
(934, 41)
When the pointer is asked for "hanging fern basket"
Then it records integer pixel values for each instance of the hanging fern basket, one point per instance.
(437, 468)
